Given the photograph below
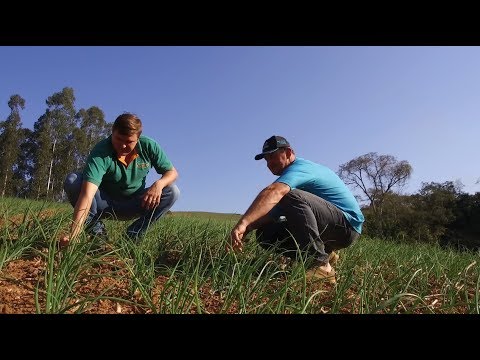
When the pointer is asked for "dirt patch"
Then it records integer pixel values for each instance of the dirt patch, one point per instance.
(19, 219)
(17, 286)
(23, 280)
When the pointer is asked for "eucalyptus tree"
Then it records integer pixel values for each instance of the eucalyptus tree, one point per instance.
(41, 157)
(11, 137)
(54, 144)
(91, 128)
(22, 175)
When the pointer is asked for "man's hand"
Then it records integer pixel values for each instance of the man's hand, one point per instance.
(152, 197)
(237, 234)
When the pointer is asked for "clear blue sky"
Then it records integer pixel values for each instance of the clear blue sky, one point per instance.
(211, 108)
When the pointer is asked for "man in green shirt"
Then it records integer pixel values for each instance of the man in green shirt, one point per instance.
(113, 182)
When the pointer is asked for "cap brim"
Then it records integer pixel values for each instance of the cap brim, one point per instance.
(262, 155)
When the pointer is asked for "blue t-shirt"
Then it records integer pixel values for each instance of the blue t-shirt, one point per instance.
(319, 180)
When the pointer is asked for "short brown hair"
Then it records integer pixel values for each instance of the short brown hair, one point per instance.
(128, 124)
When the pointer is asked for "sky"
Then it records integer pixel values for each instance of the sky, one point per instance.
(212, 107)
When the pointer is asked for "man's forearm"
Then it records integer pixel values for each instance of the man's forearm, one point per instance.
(167, 178)
(79, 215)
(260, 207)
(256, 215)
(80, 211)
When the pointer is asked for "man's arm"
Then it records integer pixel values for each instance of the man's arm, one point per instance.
(152, 196)
(80, 212)
(257, 212)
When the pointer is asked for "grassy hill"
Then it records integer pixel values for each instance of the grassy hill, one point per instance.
(207, 215)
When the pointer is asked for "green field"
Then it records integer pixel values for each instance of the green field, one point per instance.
(182, 267)
(207, 215)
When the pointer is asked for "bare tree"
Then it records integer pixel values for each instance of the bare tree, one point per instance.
(375, 175)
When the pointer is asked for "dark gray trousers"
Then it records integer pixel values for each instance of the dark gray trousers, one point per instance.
(315, 225)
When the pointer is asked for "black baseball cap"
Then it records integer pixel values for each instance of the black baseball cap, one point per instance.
(272, 144)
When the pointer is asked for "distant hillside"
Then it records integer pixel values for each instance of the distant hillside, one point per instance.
(206, 215)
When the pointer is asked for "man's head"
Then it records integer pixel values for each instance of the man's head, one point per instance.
(277, 152)
(127, 124)
(125, 133)
(272, 144)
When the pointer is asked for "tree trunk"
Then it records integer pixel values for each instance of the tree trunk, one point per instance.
(49, 176)
(51, 165)
(4, 185)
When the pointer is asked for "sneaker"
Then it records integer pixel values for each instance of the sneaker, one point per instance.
(101, 235)
(134, 236)
(333, 258)
(284, 262)
(318, 273)
(99, 241)
(98, 230)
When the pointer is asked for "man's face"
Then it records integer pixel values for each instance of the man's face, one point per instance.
(124, 144)
(277, 161)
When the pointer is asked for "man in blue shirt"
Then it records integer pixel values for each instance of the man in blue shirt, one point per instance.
(309, 202)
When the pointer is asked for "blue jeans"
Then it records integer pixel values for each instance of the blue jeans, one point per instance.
(104, 206)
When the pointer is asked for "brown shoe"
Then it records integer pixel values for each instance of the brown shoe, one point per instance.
(284, 262)
(318, 273)
(333, 258)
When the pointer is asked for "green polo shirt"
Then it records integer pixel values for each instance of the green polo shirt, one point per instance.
(104, 169)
